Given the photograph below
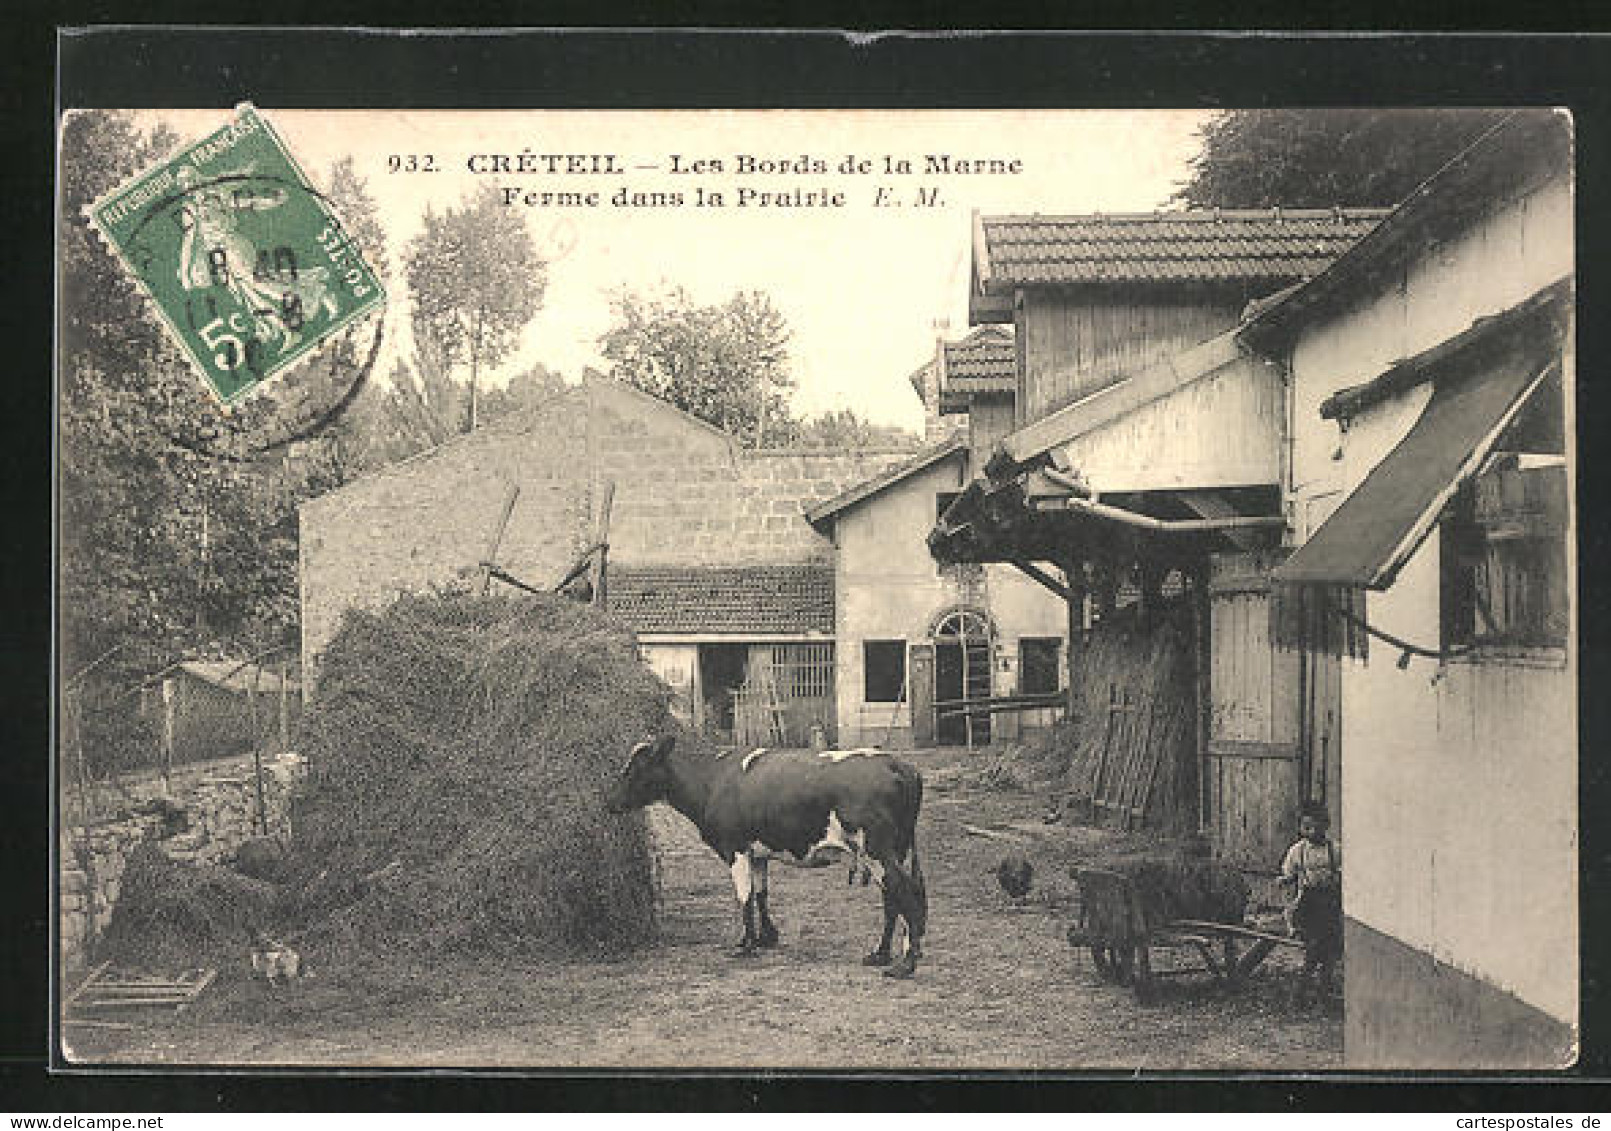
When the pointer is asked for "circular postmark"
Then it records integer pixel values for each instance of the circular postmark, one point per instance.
(256, 280)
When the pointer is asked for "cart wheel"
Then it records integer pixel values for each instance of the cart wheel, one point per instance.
(1102, 960)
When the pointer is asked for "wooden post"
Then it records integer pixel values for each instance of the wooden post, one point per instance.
(285, 708)
(257, 749)
(1202, 655)
(170, 695)
(1074, 580)
(601, 537)
(489, 556)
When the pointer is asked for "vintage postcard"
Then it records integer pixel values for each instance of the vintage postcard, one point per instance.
(898, 590)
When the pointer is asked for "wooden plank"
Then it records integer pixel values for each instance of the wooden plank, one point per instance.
(1125, 751)
(88, 981)
(1285, 687)
(489, 556)
(601, 538)
(1233, 929)
(1098, 781)
(1241, 748)
(134, 1002)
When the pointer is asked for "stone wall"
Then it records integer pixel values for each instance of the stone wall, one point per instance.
(425, 521)
(219, 804)
(685, 494)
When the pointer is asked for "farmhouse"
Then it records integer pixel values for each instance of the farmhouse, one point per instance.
(709, 556)
(924, 649)
(1145, 461)
(1348, 434)
(1429, 490)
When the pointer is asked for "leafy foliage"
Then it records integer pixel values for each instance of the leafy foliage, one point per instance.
(1323, 158)
(166, 548)
(726, 364)
(476, 280)
(841, 428)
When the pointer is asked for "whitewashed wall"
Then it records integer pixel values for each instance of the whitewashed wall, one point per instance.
(1459, 781)
(1221, 431)
(890, 588)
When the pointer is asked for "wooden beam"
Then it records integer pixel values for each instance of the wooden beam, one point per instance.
(1212, 504)
(510, 579)
(1041, 701)
(601, 539)
(1237, 748)
(583, 560)
(1124, 395)
(495, 539)
(1033, 571)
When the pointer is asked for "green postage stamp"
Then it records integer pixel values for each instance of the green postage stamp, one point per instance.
(245, 260)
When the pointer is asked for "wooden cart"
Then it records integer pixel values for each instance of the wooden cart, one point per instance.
(1115, 925)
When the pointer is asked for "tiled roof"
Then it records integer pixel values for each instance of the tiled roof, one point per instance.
(1262, 246)
(731, 599)
(236, 675)
(985, 361)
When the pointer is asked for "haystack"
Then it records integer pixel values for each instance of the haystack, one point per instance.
(174, 915)
(459, 748)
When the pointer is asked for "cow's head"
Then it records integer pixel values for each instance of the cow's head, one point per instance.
(646, 779)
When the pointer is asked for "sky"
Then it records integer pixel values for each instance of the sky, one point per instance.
(863, 286)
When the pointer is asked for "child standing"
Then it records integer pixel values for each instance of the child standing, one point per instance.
(1312, 875)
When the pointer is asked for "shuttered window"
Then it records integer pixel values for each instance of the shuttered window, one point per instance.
(1503, 558)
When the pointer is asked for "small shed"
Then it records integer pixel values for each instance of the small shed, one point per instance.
(204, 709)
(748, 651)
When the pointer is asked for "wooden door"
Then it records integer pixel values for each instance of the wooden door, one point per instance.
(1254, 768)
(920, 681)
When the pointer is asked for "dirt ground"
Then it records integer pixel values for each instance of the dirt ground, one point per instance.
(1001, 987)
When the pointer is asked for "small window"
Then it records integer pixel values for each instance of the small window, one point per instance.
(1503, 557)
(885, 666)
(942, 503)
(1038, 669)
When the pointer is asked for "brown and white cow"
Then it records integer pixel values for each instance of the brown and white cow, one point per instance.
(806, 808)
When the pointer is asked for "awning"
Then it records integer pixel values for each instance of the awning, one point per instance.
(1372, 534)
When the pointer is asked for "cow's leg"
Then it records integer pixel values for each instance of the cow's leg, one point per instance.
(768, 932)
(881, 956)
(912, 903)
(743, 870)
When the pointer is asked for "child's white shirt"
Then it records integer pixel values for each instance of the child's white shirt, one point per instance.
(1313, 865)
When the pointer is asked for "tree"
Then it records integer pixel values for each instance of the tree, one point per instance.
(166, 548)
(841, 428)
(523, 391)
(476, 280)
(727, 364)
(1323, 158)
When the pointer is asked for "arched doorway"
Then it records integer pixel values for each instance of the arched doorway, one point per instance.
(962, 651)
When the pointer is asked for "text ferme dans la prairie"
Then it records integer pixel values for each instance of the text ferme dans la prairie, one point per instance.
(748, 180)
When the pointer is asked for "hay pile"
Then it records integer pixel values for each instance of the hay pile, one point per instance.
(172, 915)
(459, 749)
